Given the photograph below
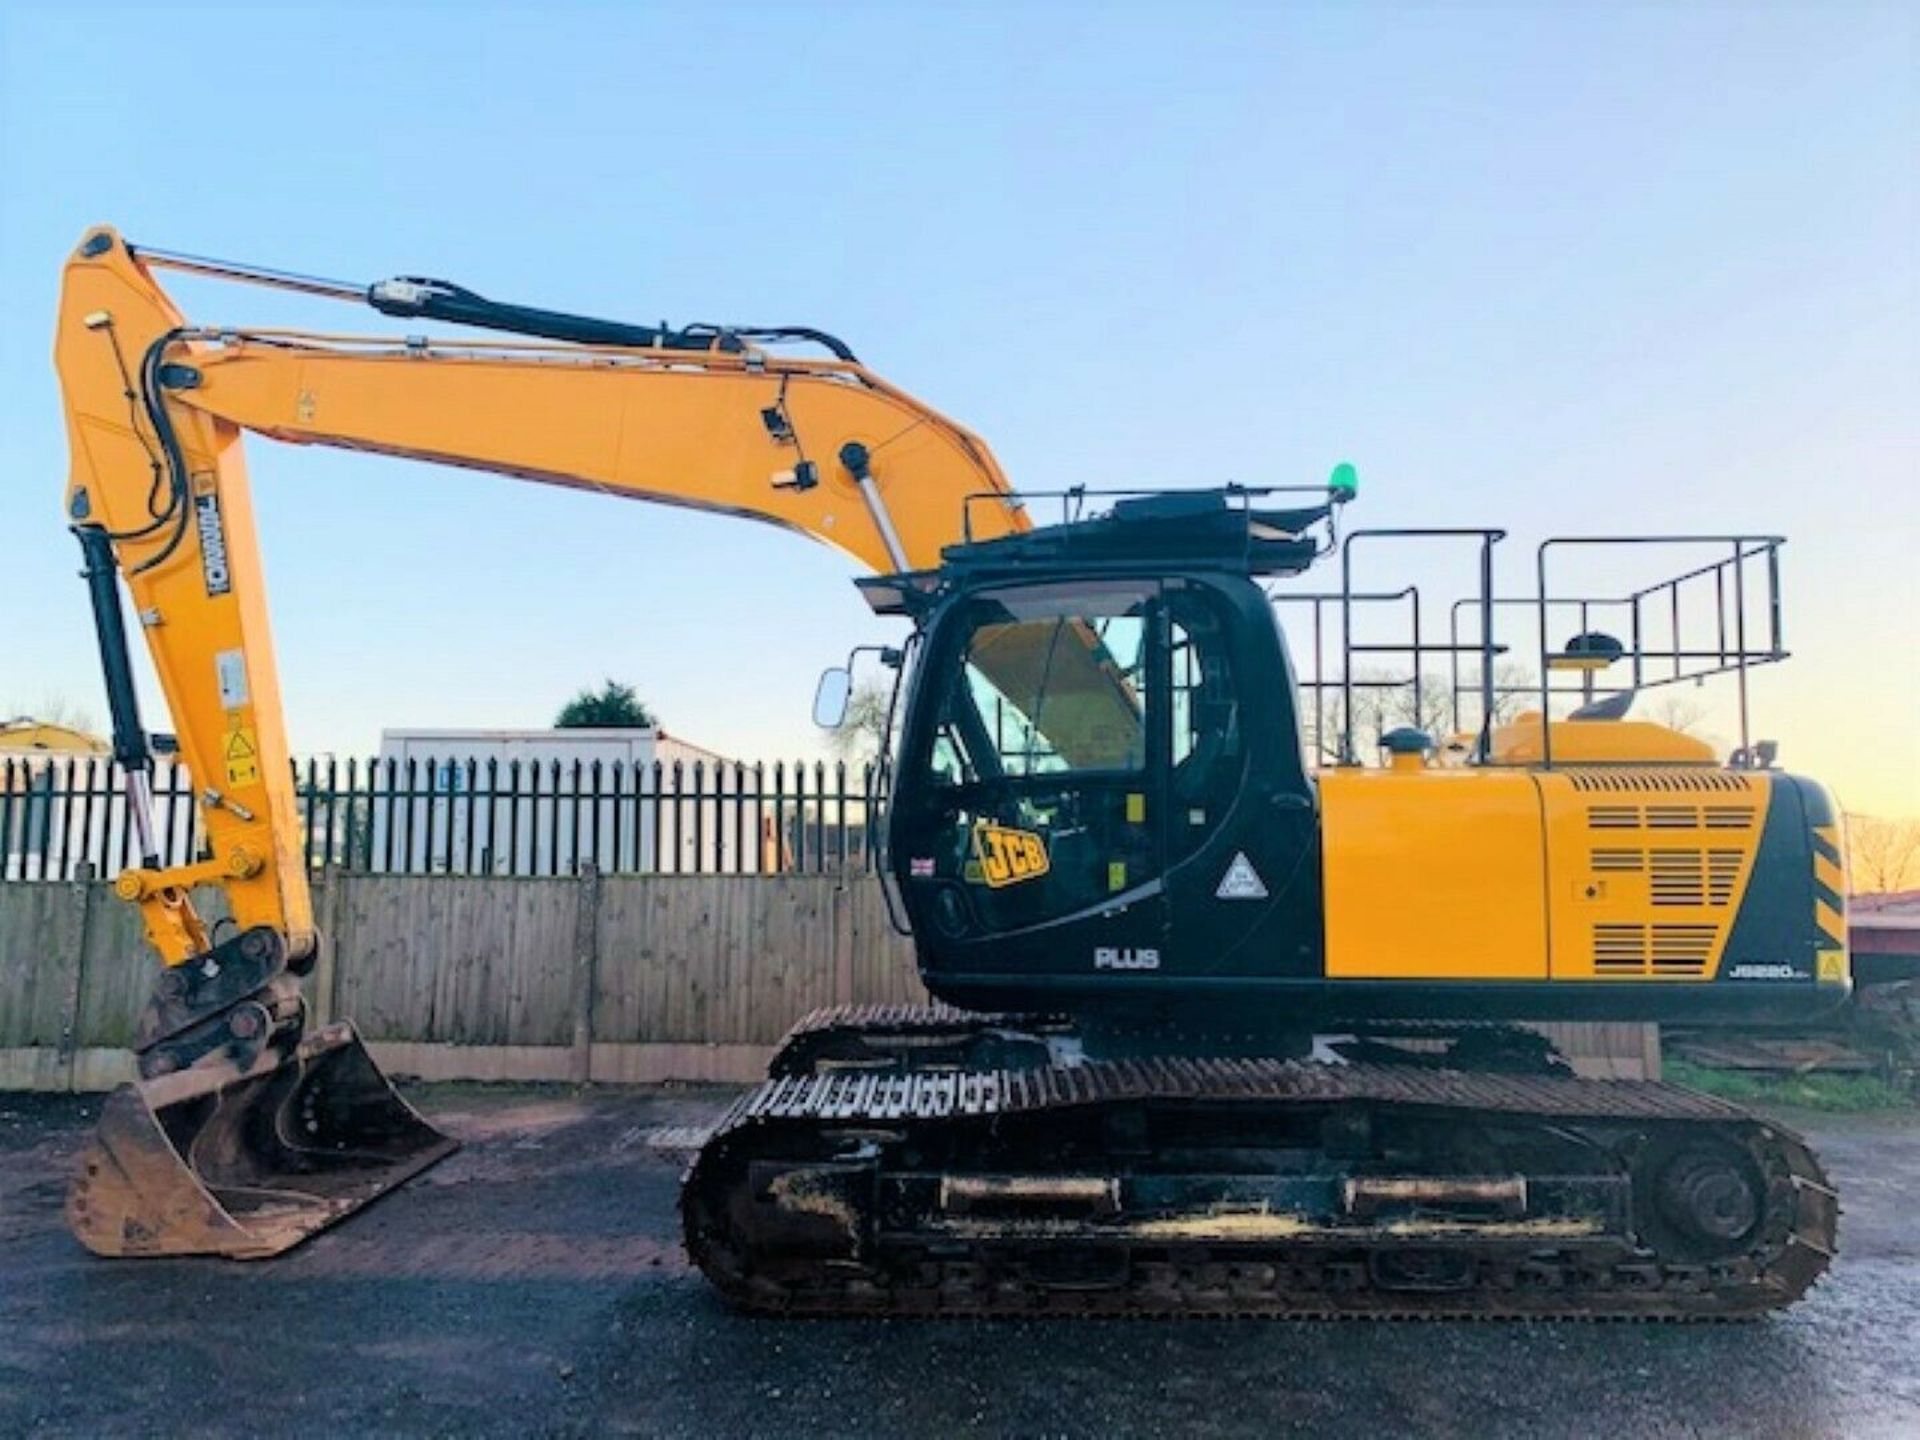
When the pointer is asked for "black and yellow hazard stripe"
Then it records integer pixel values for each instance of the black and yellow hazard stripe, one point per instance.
(1830, 901)
(1829, 884)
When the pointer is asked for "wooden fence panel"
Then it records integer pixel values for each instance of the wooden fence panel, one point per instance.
(40, 939)
(711, 959)
(1616, 1050)
(611, 977)
(452, 960)
(120, 969)
(883, 964)
(796, 963)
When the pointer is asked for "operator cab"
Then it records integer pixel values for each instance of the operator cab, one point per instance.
(1099, 785)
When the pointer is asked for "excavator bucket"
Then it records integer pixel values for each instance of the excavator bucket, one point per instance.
(247, 1162)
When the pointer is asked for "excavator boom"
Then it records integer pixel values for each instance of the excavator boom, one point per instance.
(158, 495)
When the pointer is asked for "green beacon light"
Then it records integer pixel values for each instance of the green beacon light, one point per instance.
(1344, 483)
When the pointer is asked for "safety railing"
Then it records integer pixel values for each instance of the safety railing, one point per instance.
(1579, 648)
(65, 816)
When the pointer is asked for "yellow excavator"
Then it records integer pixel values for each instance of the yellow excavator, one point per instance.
(1220, 1034)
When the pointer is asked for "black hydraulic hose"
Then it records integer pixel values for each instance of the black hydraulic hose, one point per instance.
(179, 504)
(837, 347)
(160, 515)
(415, 295)
(440, 300)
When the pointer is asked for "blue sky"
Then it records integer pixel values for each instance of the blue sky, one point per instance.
(1552, 267)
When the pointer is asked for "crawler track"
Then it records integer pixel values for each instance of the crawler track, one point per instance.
(907, 1037)
(1185, 1187)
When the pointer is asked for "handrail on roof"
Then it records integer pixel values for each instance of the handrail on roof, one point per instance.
(1725, 582)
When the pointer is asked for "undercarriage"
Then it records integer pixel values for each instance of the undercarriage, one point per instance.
(924, 1161)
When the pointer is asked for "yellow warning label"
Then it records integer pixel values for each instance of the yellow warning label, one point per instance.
(1008, 856)
(1833, 967)
(1116, 875)
(242, 756)
(1136, 808)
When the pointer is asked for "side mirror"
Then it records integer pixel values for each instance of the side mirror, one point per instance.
(830, 699)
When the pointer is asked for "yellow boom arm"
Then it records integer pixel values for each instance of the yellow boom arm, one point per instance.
(156, 408)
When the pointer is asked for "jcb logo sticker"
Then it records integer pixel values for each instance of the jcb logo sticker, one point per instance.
(1008, 856)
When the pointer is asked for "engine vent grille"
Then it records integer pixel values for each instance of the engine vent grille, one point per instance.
(1667, 950)
(1637, 780)
(1673, 817)
(1682, 949)
(1654, 880)
(1613, 817)
(1619, 862)
(1619, 948)
(1727, 818)
(1679, 877)
(1723, 873)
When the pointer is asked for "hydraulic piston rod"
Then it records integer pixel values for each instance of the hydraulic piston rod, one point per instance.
(130, 748)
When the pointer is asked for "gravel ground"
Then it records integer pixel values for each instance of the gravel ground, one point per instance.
(533, 1284)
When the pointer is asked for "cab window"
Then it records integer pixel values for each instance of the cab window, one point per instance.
(1048, 685)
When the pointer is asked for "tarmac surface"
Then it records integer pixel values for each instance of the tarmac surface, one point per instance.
(533, 1284)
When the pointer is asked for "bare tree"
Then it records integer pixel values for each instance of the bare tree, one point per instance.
(52, 710)
(1514, 685)
(1382, 701)
(1882, 855)
(1677, 710)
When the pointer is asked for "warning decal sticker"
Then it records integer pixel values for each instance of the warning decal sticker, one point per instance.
(1241, 882)
(242, 755)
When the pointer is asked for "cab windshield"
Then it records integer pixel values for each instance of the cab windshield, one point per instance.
(1082, 738)
(1049, 682)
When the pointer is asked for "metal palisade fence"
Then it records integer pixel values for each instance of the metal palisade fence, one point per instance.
(63, 816)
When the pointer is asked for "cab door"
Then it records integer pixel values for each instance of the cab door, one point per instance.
(1242, 878)
(1028, 832)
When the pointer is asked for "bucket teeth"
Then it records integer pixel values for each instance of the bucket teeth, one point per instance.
(247, 1163)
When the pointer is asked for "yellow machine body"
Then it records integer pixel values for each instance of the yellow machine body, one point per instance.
(1595, 876)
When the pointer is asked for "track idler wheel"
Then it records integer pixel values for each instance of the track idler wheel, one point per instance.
(1698, 1198)
(1710, 1196)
